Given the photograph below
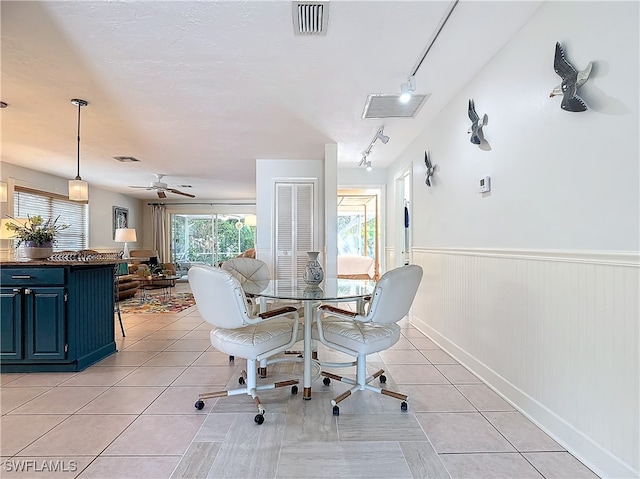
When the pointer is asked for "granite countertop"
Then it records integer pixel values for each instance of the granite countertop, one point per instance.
(46, 262)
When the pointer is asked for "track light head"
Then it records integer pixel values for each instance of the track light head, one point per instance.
(382, 137)
(406, 89)
(368, 166)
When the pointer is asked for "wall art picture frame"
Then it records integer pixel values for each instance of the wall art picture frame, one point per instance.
(120, 218)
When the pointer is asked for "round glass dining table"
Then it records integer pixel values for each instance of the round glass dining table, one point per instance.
(330, 290)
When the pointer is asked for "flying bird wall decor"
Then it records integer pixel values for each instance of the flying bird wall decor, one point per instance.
(431, 169)
(476, 124)
(572, 79)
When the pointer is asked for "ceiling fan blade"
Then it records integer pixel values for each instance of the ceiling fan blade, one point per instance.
(181, 193)
(161, 194)
(144, 187)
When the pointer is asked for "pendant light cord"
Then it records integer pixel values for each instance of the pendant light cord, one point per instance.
(79, 107)
(80, 104)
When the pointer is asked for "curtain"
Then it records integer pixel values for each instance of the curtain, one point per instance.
(159, 232)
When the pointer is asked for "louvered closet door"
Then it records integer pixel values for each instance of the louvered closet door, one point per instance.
(294, 228)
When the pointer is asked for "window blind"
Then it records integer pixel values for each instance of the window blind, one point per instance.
(29, 202)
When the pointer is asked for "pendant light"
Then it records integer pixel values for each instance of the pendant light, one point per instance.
(78, 188)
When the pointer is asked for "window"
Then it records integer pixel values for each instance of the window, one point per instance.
(209, 238)
(28, 202)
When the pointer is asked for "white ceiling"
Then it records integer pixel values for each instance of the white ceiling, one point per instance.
(199, 90)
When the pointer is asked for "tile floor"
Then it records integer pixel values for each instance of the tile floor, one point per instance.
(132, 415)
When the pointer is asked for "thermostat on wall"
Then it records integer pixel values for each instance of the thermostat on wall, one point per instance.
(485, 184)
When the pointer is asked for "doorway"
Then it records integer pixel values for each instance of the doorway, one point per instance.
(404, 217)
(358, 234)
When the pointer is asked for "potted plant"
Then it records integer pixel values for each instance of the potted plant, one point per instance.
(37, 235)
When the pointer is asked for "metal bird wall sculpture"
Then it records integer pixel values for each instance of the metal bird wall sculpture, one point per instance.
(476, 125)
(431, 169)
(572, 79)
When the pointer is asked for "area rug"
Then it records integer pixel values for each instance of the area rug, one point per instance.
(157, 304)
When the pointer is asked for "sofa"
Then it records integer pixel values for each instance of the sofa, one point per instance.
(127, 286)
(143, 258)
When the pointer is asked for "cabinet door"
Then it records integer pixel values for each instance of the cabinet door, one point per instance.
(45, 323)
(10, 323)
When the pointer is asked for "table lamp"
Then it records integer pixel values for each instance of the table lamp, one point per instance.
(126, 235)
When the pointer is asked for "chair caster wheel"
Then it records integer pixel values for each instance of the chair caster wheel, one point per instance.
(241, 380)
(231, 358)
(326, 381)
(199, 404)
(294, 389)
(336, 411)
(383, 378)
(259, 419)
(403, 406)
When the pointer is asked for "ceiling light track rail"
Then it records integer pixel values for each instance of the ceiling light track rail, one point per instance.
(444, 21)
(378, 136)
(408, 88)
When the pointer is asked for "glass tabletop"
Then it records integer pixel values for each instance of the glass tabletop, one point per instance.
(331, 289)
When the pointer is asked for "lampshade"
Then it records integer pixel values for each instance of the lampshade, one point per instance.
(78, 190)
(125, 235)
(250, 220)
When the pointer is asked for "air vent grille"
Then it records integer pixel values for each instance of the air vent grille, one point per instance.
(389, 106)
(310, 18)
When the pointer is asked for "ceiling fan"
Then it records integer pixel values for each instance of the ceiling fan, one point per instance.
(162, 188)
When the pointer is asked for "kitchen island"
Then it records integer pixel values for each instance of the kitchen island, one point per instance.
(56, 315)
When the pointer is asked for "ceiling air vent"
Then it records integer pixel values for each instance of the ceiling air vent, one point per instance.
(310, 18)
(389, 106)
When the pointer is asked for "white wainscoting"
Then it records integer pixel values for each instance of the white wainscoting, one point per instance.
(555, 333)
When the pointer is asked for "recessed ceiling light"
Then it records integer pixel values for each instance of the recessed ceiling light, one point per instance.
(126, 159)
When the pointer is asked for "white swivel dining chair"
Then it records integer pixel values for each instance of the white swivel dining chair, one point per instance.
(236, 331)
(361, 334)
(251, 272)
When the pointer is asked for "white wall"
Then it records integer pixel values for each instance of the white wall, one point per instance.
(361, 177)
(535, 285)
(560, 180)
(101, 203)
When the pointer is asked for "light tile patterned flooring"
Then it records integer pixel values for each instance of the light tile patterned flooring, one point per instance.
(132, 415)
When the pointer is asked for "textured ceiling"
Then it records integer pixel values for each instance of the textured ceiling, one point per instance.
(199, 90)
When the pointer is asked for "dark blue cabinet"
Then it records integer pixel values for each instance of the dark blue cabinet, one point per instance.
(45, 323)
(33, 323)
(10, 323)
(57, 318)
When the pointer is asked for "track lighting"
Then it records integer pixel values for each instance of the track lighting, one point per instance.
(382, 137)
(406, 89)
(378, 136)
